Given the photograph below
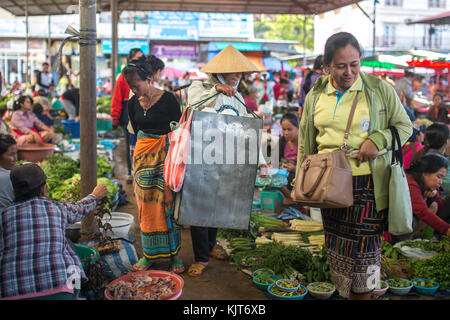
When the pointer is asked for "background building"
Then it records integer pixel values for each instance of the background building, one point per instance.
(392, 32)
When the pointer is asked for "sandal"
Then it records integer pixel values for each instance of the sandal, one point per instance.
(218, 253)
(177, 266)
(142, 265)
(196, 269)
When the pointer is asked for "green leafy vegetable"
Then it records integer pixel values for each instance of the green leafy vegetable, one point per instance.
(435, 268)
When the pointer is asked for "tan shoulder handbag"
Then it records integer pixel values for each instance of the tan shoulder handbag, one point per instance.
(325, 180)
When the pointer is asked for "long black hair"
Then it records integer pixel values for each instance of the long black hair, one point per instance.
(430, 163)
(292, 118)
(5, 142)
(436, 137)
(142, 67)
(132, 54)
(318, 65)
(338, 41)
(20, 101)
(156, 63)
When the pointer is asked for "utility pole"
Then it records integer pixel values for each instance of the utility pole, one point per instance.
(27, 77)
(114, 41)
(373, 20)
(88, 112)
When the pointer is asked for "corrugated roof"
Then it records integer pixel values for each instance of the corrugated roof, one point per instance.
(55, 7)
(440, 19)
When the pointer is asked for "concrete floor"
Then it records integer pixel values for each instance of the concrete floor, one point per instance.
(221, 280)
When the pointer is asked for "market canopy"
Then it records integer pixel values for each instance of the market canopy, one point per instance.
(386, 61)
(440, 19)
(436, 64)
(56, 7)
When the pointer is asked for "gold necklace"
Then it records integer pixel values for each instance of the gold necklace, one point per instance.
(146, 109)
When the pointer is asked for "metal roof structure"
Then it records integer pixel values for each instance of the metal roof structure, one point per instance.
(56, 7)
(440, 19)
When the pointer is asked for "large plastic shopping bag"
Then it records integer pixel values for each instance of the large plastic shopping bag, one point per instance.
(179, 144)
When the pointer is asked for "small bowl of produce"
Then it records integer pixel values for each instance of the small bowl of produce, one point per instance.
(263, 271)
(381, 288)
(263, 281)
(321, 290)
(426, 287)
(275, 293)
(250, 261)
(399, 286)
(287, 285)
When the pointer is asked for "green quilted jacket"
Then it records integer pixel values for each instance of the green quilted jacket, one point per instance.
(385, 110)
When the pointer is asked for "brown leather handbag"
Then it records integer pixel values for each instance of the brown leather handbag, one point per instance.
(325, 180)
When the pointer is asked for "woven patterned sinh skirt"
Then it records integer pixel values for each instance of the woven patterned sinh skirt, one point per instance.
(353, 239)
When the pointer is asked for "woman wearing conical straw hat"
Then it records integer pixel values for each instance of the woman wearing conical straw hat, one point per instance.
(224, 76)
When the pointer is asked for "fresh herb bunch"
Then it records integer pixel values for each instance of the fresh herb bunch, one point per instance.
(424, 245)
(435, 268)
(59, 167)
(104, 168)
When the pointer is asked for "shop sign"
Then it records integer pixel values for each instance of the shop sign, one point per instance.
(165, 25)
(124, 46)
(175, 51)
(225, 25)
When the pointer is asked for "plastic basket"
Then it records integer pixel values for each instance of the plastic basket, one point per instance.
(72, 127)
(84, 253)
(104, 125)
(271, 200)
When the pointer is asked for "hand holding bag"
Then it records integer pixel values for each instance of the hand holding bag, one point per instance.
(400, 214)
(325, 180)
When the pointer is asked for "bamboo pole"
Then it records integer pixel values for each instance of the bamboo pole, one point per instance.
(88, 119)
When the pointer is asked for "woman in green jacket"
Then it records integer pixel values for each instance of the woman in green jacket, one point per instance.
(353, 235)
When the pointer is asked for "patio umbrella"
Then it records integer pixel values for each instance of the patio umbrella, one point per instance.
(378, 64)
(173, 73)
(386, 61)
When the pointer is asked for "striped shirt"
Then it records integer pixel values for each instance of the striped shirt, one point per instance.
(34, 252)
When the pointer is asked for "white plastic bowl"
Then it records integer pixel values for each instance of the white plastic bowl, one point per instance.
(121, 223)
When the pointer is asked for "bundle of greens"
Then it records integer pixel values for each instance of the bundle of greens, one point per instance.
(104, 104)
(69, 189)
(104, 168)
(424, 245)
(435, 268)
(59, 167)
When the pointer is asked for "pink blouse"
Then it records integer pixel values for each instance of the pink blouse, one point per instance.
(25, 121)
(290, 154)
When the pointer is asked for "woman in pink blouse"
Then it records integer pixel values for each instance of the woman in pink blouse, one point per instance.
(26, 127)
(288, 151)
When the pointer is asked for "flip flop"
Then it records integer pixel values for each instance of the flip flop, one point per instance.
(177, 266)
(142, 265)
(196, 269)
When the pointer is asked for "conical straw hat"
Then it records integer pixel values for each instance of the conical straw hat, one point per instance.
(229, 60)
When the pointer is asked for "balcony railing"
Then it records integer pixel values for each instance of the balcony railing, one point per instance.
(440, 42)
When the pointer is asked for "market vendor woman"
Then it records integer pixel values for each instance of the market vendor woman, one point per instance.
(353, 235)
(34, 252)
(26, 127)
(151, 111)
(218, 94)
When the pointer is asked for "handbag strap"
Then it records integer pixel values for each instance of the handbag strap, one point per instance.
(323, 166)
(396, 152)
(349, 123)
